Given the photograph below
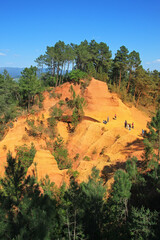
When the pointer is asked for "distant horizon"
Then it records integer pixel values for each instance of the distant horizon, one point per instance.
(152, 65)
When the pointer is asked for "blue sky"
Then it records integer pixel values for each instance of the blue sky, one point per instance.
(28, 27)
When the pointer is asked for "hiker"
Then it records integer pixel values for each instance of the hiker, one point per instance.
(104, 121)
(133, 125)
(115, 117)
(142, 132)
(129, 127)
(125, 123)
(108, 119)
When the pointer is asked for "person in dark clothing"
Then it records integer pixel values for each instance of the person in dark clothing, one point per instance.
(133, 125)
(125, 123)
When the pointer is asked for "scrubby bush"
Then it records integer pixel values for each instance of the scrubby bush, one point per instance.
(61, 154)
(86, 158)
(76, 75)
(61, 103)
(26, 155)
(56, 112)
(76, 157)
(73, 173)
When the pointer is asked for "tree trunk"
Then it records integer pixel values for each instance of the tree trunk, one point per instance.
(57, 75)
(68, 225)
(60, 80)
(64, 69)
(138, 99)
(135, 92)
(68, 66)
(126, 209)
(158, 145)
(53, 68)
(119, 79)
(72, 64)
(129, 82)
(74, 235)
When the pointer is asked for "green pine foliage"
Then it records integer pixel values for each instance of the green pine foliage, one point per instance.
(76, 75)
(61, 154)
(26, 155)
(29, 86)
(8, 101)
(152, 141)
(142, 224)
(117, 213)
(93, 204)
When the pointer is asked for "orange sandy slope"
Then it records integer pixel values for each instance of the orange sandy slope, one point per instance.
(90, 138)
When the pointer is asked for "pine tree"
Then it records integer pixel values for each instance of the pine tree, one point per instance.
(29, 86)
(27, 213)
(152, 143)
(92, 203)
(121, 62)
(142, 224)
(117, 206)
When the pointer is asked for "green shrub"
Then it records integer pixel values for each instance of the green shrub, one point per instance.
(73, 173)
(76, 157)
(40, 105)
(75, 118)
(10, 125)
(61, 103)
(26, 155)
(86, 158)
(70, 104)
(52, 94)
(41, 97)
(61, 154)
(52, 122)
(30, 122)
(76, 75)
(56, 112)
(84, 85)
(34, 131)
(32, 111)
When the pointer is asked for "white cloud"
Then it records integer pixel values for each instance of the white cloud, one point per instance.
(155, 61)
(2, 54)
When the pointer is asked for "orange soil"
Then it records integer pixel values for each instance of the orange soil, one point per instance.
(89, 139)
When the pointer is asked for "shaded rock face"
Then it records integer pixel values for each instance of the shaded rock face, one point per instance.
(95, 143)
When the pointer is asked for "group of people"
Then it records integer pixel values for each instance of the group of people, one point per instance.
(128, 125)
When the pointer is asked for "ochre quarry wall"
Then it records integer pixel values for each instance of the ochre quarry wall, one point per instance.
(103, 144)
